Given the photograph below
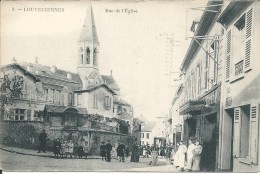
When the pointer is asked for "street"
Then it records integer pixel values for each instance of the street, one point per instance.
(16, 162)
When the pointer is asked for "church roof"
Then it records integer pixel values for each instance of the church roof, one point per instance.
(110, 82)
(89, 31)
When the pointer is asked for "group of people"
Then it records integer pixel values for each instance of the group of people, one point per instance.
(63, 149)
(188, 159)
(107, 151)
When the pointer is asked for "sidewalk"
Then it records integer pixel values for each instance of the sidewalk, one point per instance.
(162, 168)
(30, 152)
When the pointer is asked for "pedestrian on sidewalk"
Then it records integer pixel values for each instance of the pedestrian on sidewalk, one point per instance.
(127, 152)
(108, 151)
(154, 156)
(86, 149)
(62, 149)
(66, 148)
(135, 153)
(81, 150)
(190, 153)
(196, 157)
(70, 148)
(179, 160)
(75, 150)
(42, 141)
(168, 154)
(114, 154)
(103, 150)
(121, 152)
(56, 147)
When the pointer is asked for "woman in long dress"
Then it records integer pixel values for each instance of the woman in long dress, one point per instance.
(190, 153)
(196, 157)
(180, 159)
(70, 148)
(135, 153)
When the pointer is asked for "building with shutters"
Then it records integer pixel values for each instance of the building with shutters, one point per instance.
(240, 123)
(83, 105)
(202, 74)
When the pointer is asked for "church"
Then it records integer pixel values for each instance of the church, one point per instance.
(75, 106)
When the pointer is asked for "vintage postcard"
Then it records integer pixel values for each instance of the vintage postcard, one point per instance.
(130, 86)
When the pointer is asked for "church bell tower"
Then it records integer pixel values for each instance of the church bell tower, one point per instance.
(88, 46)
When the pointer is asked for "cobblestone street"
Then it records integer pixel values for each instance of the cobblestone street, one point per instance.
(18, 162)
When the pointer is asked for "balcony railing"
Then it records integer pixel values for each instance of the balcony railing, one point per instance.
(239, 67)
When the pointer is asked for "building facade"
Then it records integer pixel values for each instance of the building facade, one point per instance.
(240, 122)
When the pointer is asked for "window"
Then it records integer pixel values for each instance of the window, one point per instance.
(95, 104)
(95, 57)
(147, 135)
(81, 56)
(51, 96)
(246, 130)
(20, 114)
(142, 135)
(79, 99)
(88, 56)
(57, 97)
(70, 99)
(45, 94)
(198, 78)
(107, 102)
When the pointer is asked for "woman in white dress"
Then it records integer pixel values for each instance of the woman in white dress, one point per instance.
(70, 148)
(180, 158)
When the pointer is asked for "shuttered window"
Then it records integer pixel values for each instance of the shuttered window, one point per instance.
(237, 128)
(248, 45)
(254, 133)
(228, 54)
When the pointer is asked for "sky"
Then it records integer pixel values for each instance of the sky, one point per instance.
(133, 45)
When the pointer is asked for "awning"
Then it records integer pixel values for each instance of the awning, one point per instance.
(62, 109)
(192, 107)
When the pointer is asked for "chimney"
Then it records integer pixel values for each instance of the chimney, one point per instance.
(69, 75)
(36, 60)
(53, 68)
(14, 60)
(29, 67)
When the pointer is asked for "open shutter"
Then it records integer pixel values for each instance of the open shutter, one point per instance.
(228, 54)
(254, 125)
(237, 127)
(248, 45)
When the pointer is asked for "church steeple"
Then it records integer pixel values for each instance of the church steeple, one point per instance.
(88, 45)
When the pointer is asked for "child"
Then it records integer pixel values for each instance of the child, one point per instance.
(70, 148)
(66, 149)
(62, 148)
(57, 146)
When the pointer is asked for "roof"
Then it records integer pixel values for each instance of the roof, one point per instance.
(110, 82)
(120, 101)
(89, 31)
(148, 126)
(206, 22)
(94, 87)
(233, 9)
(44, 74)
(61, 109)
(124, 116)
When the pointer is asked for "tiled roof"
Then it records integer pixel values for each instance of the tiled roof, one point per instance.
(94, 87)
(44, 72)
(120, 101)
(124, 116)
(61, 109)
(148, 126)
(110, 82)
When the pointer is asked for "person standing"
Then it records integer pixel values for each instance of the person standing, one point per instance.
(42, 141)
(127, 151)
(190, 153)
(154, 156)
(121, 152)
(70, 148)
(108, 151)
(196, 157)
(103, 150)
(135, 153)
(56, 147)
(180, 158)
(86, 149)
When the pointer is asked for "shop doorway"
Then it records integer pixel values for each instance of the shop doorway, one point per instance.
(209, 142)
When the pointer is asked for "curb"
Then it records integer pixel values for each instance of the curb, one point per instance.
(44, 156)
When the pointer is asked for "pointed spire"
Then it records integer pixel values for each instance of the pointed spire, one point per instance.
(89, 32)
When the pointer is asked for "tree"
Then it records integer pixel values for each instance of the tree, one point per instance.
(10, 88)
